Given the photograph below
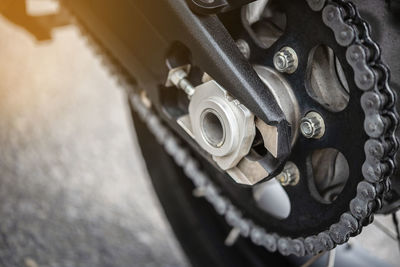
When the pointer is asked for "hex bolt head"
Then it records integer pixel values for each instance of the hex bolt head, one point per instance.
(312, 125)
(178, 77)
(286, 60)
(290, 175)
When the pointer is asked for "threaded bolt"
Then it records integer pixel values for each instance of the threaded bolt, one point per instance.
(286, 60)
(290, 174)
(178, 77)
(312, 125)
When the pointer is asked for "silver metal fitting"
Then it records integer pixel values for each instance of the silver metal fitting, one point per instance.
(177, 77)
(220, 125)
(244, 48)
(225, 128)
(249, 171)
(312, 125)
(286, 60)
(290, 174)
(286, 99)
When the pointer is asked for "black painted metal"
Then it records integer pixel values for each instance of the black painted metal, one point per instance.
(41, 27)
(204, 245)
(341, 126)
(216, 6)
(344, 128)
(344, 132)
(150, 30)
(197, 226)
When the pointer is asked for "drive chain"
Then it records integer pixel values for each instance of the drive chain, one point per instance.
(371, 76)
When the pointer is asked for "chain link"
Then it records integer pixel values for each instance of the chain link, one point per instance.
(381, 120)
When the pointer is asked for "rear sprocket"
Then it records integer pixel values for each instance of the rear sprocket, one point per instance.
(363, 132)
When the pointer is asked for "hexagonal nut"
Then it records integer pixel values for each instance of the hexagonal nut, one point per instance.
(247, 132)
(312, 125)
(236, 122)
(290, 174)
(177, 74)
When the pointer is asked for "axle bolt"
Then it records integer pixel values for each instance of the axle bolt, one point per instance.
(312, 125)
(286, 60)
(178, 77)
(290, 174)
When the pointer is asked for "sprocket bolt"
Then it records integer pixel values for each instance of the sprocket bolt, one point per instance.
(286, 60)
(290, 175)
(312, 125)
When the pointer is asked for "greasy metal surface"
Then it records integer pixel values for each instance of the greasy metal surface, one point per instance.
(73, 188)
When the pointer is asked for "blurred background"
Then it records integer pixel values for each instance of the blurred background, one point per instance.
(74, 190)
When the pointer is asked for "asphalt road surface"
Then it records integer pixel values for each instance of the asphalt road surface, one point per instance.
(73, 187)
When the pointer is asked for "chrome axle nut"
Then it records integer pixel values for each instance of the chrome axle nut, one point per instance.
(312, 125)
(220, 124)
(286, 60)
(290, 175)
